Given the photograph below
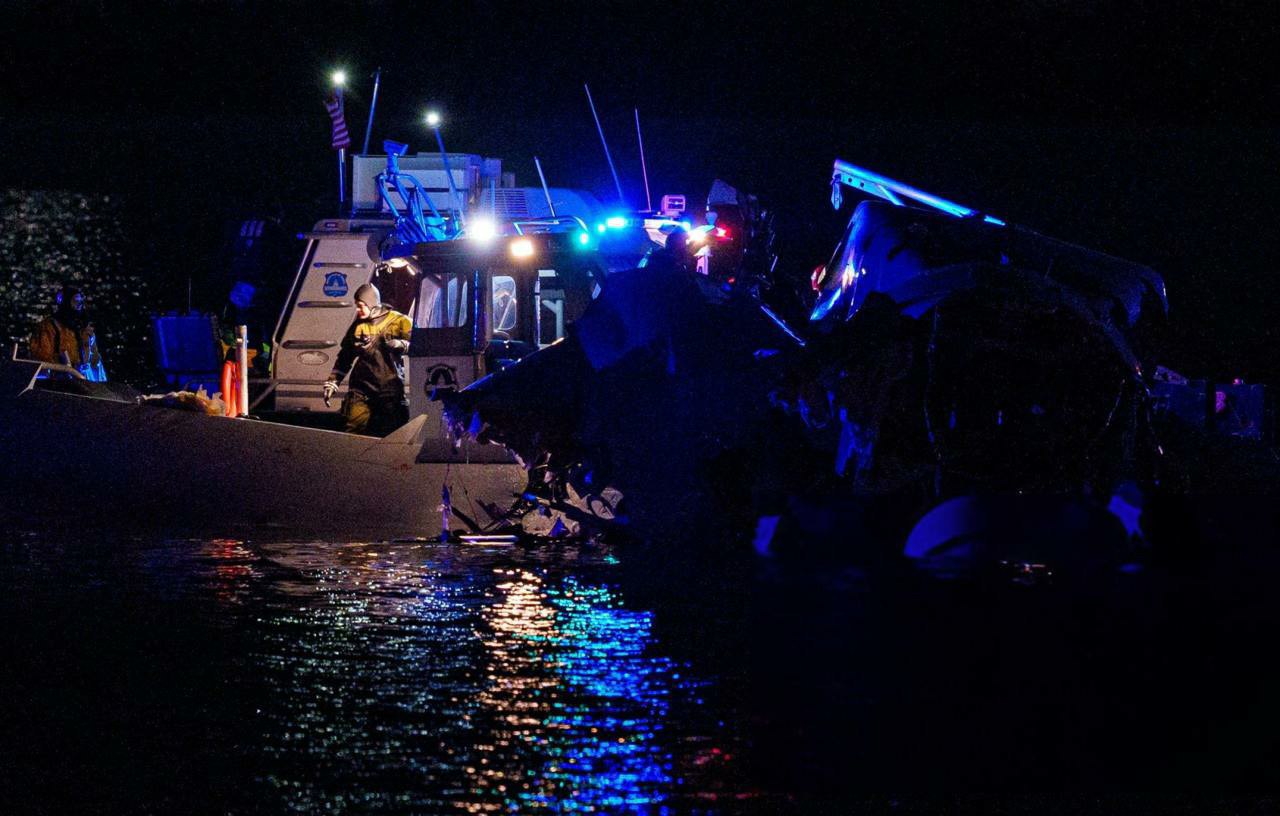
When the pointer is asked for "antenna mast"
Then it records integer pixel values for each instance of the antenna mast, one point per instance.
(373, 104)
(546, 192)
(608, 157)
(644, 171)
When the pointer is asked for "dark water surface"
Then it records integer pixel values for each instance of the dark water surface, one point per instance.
(150, 675)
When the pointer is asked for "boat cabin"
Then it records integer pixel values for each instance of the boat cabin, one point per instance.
(477, 303)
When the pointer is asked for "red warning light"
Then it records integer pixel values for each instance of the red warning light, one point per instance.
(815, 279)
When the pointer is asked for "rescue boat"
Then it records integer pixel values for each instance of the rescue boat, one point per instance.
(79, 453)
(482, 291)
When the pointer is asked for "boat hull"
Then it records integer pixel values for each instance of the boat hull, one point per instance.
(69, 459)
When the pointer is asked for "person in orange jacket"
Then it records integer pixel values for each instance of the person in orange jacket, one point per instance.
(67, 337)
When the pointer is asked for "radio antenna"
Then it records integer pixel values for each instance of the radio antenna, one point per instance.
(373, 104)
(608, 157)
(644, 171)
(546, 192)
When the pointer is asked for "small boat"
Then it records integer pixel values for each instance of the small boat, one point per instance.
(480, 296)
(80, 453)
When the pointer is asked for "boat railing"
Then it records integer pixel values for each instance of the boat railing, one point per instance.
(47, 367)
(412, 226)
(20, 374)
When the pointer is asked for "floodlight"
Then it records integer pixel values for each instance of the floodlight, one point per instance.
(482, 229)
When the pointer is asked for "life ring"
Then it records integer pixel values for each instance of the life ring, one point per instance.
(230, 388)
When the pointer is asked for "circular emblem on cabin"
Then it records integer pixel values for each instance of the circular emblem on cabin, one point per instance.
(313, 358)
(441, 376)
(335, 284)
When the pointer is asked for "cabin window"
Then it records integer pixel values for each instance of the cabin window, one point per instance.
(505, 305)
(442, 302)
(551, 298)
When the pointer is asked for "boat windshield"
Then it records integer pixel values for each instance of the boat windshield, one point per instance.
(504, 303)
(552, 294)
(442, 301)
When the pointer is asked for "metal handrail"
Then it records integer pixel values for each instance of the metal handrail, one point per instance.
(411, 227)
(45, 366)
(308, 344)
(414, 223)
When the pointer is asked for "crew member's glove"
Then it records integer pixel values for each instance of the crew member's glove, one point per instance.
(396, 344)
(366, 342)
(330, 388)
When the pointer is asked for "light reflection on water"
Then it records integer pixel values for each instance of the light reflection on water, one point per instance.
(417, 676)
(229, 676)
(576, 695)
(406, 677)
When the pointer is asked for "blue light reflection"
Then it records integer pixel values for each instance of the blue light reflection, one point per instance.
(430, 678)
(573, 673)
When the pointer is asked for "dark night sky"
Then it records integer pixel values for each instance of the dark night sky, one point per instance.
(1148, 131)
(1145, 62)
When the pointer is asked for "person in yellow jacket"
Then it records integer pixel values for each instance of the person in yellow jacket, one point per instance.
(373, 352)
(66, 336)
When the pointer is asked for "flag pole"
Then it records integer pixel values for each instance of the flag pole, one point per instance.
(342, 176)
(342, 158)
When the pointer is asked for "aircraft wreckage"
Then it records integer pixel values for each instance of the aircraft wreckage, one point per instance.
(963, 384)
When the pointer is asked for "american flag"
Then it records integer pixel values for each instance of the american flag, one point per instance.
(341, 139)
